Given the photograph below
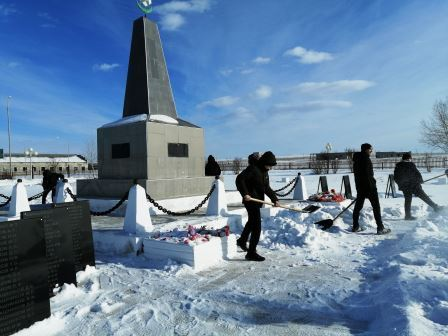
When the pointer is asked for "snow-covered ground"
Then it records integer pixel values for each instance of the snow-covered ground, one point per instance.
(313, 282)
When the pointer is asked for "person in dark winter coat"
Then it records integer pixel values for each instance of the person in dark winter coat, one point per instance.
(212, 167)
(366, 188)
(409, 181)
(253, 182)
(253, 158)
(49, 182)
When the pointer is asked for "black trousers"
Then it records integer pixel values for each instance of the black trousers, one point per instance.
(45, 194)
(420, 194)
(372, 196)
(252, 227)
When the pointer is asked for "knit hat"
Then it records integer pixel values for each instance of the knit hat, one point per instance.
(406, 156)
(267, 159)
(365, 146)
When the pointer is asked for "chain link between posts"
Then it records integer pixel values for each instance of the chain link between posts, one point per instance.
(101, 213)
(296, 180)
(183, 213)
(8, 198)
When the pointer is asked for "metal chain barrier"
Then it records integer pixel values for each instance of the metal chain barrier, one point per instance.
(183, 213)
(290, 191)
(35, 196)
(4, 204)
(286, 186)
(101, 213)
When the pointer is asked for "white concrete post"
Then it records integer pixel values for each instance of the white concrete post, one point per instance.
(300, 192)
(19, 200)
(137, 219)
(62, 196)
(217, 203)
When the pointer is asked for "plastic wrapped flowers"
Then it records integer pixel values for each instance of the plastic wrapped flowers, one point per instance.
(327, 196)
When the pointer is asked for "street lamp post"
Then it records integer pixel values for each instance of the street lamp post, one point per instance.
(9, 135)
(30, 152)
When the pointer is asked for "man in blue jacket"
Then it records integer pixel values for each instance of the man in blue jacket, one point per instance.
(366, 188)
(253, 182)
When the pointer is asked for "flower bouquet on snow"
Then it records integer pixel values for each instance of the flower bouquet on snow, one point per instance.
(327, 196)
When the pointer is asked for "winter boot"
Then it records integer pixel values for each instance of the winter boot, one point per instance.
(254, 256)
(383, 231)
(357, 229)
(241, 245)
(410, 218)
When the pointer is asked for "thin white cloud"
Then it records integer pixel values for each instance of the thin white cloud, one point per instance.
(313, 106)
(261, 60)
(226, 72)
(171, 18)
(339, 87)
(105, 67)
(199, 6)
(7, 10)
(50, 21)
(13, 64)
(263, 92)
(220, 102)
(308, 56)
(247, 71)
(172, 21)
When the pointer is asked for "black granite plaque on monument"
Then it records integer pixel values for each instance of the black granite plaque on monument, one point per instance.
(78, 219)
(23, 275)
(59, 246)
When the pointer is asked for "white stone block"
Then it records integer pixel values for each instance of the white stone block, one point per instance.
(62, 196)
(116, 242)
(217, 203)
(300, 192)
(137, 219)
(19, 200)
(199, 257)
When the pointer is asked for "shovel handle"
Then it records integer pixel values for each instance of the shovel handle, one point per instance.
(272, 204)
(432, 178)
(353, 202)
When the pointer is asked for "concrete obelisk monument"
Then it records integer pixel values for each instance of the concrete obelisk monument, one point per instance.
(149, 143)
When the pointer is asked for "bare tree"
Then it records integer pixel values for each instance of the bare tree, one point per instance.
(318, 166)
(91, 155)
(335, 165)
(434, 131)
(349, 155)
(236, 165)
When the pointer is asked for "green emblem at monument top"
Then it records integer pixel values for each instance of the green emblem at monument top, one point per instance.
(145, 6)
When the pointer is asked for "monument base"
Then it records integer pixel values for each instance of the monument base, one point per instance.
(157, 189)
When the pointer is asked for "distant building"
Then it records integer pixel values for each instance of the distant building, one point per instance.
(21, 164)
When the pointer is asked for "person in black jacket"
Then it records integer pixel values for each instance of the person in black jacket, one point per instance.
(366, 188)
(253, 182)
(49, 182)
(212, 167)
(409, 181)
(253, 158)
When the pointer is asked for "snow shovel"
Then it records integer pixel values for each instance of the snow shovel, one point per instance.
(432, 178)
(307, 209)
(328, 223)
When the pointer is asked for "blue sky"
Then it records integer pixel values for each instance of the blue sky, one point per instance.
(286, 75)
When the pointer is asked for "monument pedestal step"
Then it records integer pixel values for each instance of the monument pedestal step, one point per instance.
(157, 189)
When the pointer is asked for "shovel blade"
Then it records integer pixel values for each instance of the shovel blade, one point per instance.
(325, 223)
(310, 208)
